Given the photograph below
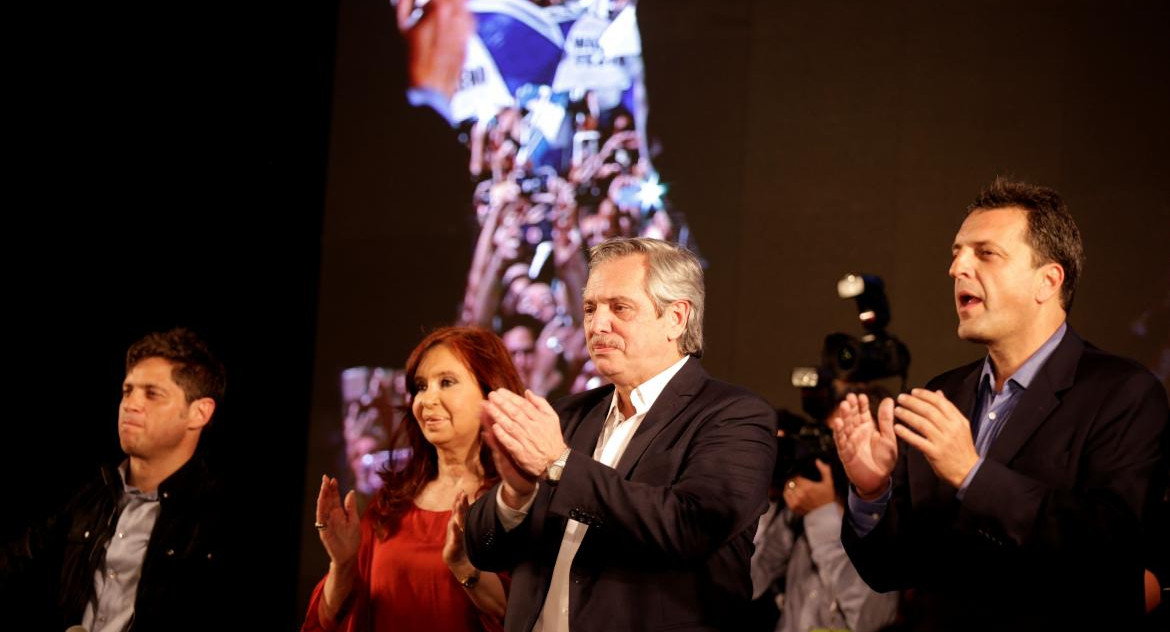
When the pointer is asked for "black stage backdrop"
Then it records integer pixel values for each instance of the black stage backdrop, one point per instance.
(166, 167)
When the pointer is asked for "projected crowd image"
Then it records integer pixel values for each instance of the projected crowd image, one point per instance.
(552, 107)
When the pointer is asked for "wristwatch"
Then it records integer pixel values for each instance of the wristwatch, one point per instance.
(557, 467)
(471, 580)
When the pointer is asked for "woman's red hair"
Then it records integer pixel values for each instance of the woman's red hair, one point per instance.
(488, 360)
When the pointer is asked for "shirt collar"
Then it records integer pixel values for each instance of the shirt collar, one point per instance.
(127, 488)
(645, 394)
(1027, 372)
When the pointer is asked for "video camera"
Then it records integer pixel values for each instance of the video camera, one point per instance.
(848, 364)
(846, 359)
(800, 443)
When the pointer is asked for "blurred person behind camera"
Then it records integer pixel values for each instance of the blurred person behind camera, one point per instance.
(800, 570)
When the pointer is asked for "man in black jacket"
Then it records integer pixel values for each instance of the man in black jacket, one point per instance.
(631, 506)
(1011, 493)
(139, 547)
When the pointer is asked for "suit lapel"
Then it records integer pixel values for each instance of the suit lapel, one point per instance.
(677, 394)
(583, 433)
(1040, 399)
(968, 394)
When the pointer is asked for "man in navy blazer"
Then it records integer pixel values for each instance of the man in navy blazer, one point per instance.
(631, 506)
(1011, 494)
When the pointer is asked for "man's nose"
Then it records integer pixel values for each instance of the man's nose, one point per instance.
(132, 400)
(960, 264)
(599, 321)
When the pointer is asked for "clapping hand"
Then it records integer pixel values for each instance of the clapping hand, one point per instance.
(338, 525)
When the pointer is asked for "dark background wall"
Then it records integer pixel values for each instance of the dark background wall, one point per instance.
(817, 139)
(165, 166)
(172, 165)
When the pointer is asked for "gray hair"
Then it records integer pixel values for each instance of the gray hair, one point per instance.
(673, 273)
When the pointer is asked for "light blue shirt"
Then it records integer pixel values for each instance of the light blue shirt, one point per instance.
(115, 582)
(992, 410)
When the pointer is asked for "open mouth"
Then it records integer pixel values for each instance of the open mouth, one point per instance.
(967, 299)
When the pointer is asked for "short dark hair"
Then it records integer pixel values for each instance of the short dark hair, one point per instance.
(193, 367)
(1052, 233)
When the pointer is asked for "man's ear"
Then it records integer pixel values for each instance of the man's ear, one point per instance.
(200, 413)
(677, 314)
(1051, 282)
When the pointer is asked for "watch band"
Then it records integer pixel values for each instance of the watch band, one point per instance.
(471, 580)
(553, 474)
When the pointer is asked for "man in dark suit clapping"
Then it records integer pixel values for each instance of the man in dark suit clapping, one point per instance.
(1011, 493)
(631, 506)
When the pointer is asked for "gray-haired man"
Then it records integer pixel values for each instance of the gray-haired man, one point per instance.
(631, 506)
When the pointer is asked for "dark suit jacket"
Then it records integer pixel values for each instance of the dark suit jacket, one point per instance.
(1048, 533)
(670, 529)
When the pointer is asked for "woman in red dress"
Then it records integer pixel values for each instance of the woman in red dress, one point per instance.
(402, 566)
